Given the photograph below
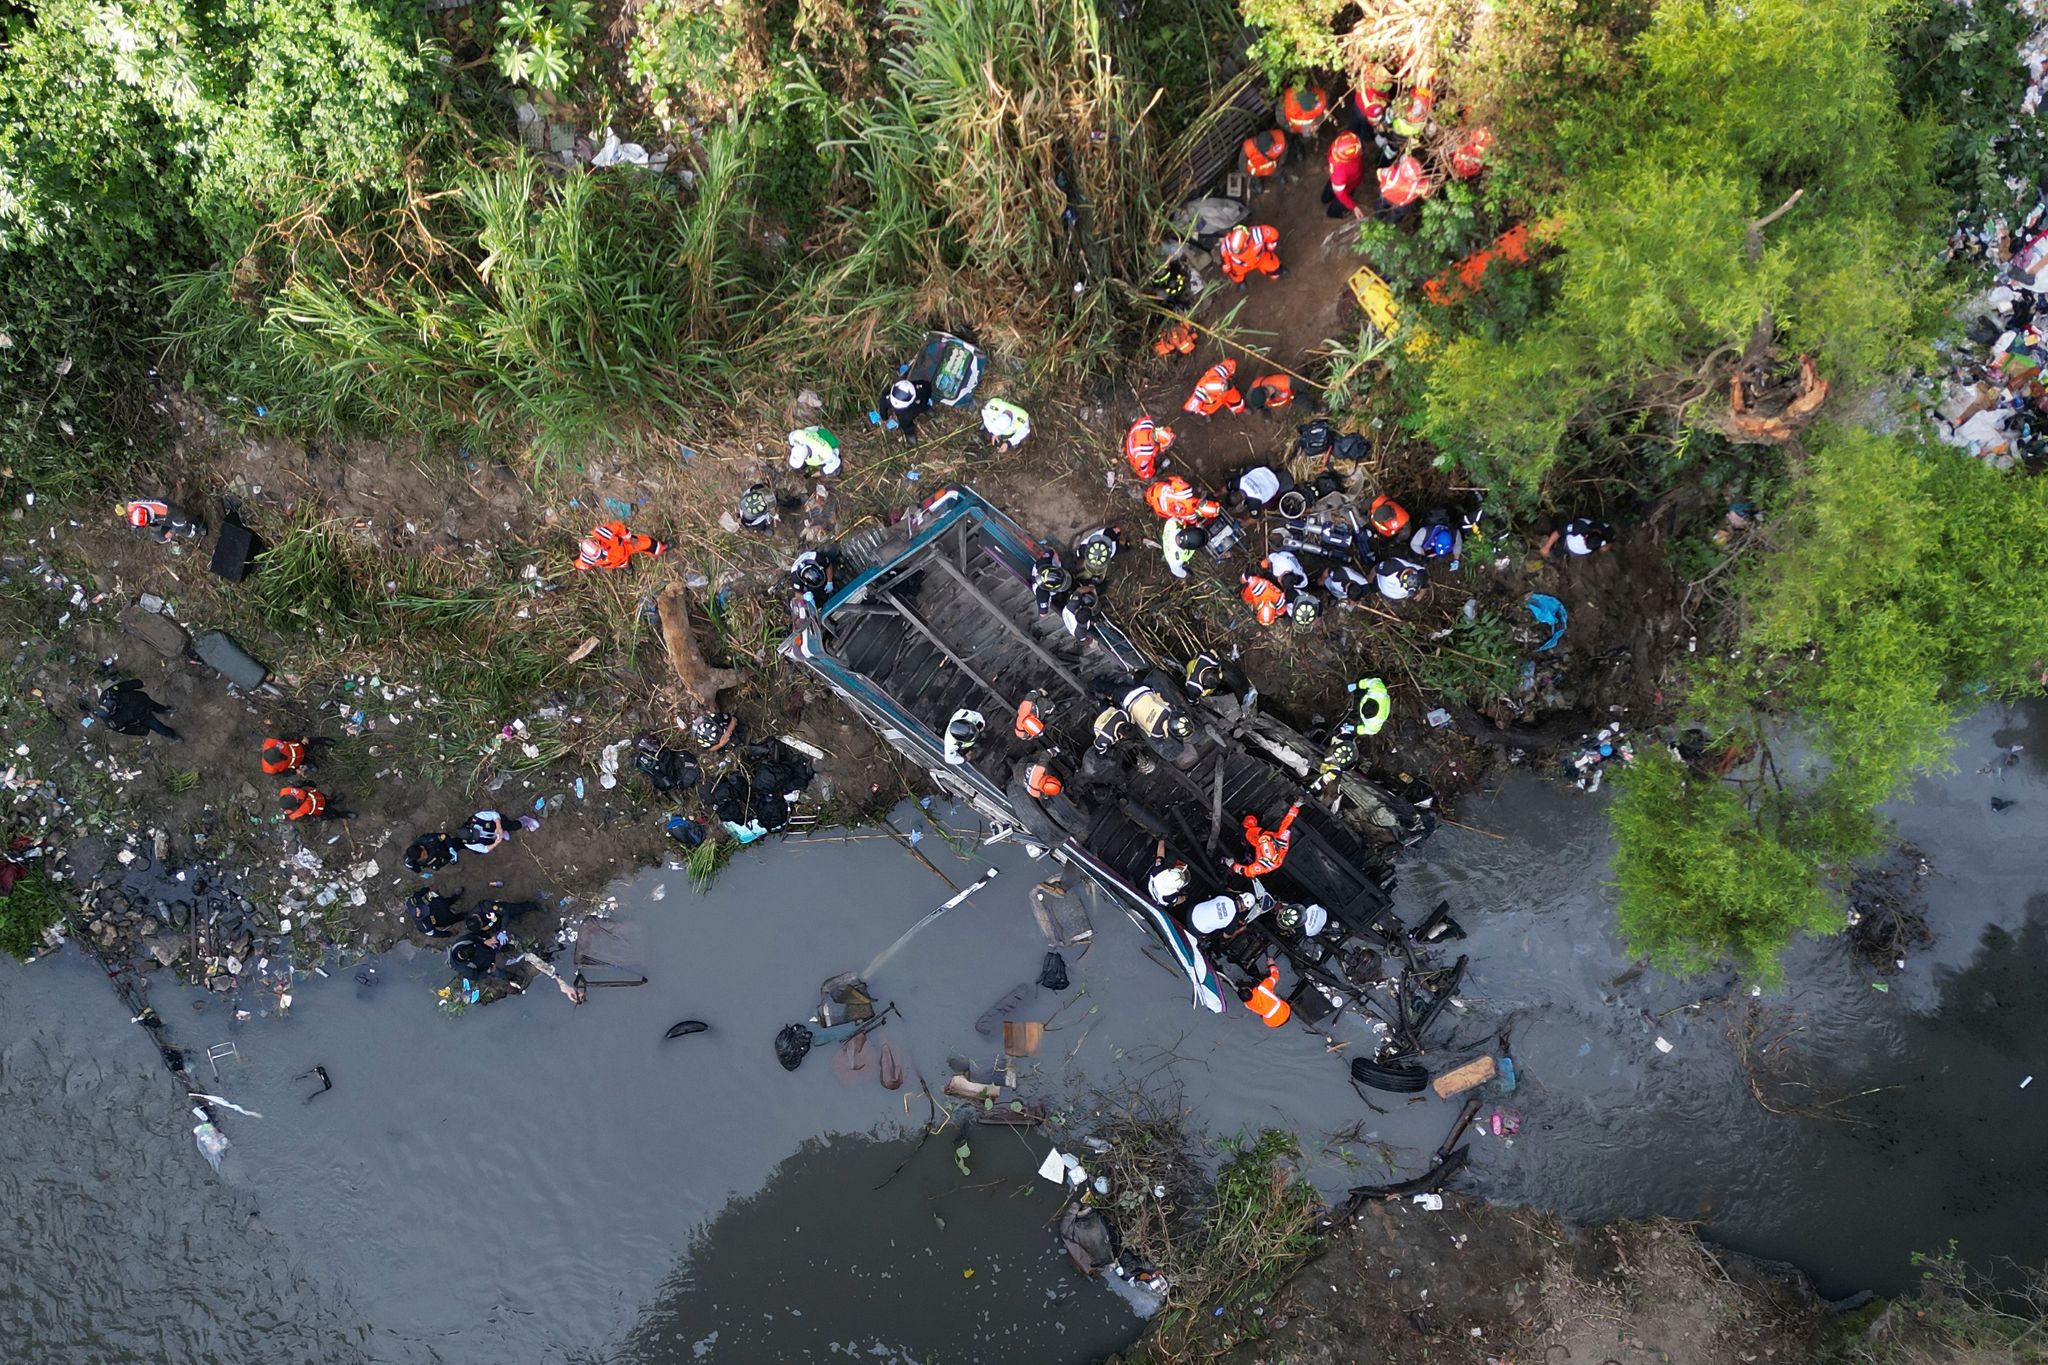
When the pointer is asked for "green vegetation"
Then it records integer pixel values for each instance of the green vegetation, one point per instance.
(26, 911)
(1259, 1225)
(1699, 883)
(1711, 187)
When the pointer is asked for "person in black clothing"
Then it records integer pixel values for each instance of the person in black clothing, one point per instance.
(489, 917)
(903, 403)
(434, 914)
(475, 955)
(431, 852)
(128, 710)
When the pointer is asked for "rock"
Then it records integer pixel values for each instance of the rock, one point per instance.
(165, 951)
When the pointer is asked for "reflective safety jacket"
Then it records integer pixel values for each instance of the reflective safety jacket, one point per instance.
(1030, 721)
(282, 755)
(1005, 422)
(1245, 249)
(611, 545)
(1175, 499)
(1404, 182)
(814, 451)
(1177, 554)
(1178, 339)
(1144, 443)
(1374, 705)
(301, 803)
(1264, 153)
(1215, 391)
(1271, 393)
(1266, 1002)
(1148, 710)
(1269, 846)
(1303, 108)
(1264, 597)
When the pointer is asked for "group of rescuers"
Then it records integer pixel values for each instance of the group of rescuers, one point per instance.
(1137, 725)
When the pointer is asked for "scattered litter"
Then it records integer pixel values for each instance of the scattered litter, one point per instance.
(1663, 1045)
(1431, 1203)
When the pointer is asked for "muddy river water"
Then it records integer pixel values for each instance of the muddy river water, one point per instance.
(535, 1183)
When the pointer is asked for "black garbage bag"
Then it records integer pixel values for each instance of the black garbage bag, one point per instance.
(778, 767)
(792, 1045)
(768, 808)
(1053, 975)
(728, 798)
(670, 770)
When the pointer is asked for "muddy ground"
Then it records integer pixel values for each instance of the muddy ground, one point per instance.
(415, 752)
(1477, 1284)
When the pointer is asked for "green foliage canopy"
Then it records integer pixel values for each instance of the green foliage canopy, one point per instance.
(1698, 882)
(1660, 269)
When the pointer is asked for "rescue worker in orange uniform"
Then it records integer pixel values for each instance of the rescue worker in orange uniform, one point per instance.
(305, 803)
(1389, 518)
(1303, 109)
(1178, 339)
(1269, 846)
(1265, 597)
(1144, 443)
(611, 545)
(1176, 499)
(1404, 182)
(1370, 100)
(1347, 178)
(1245, 249)
(1215, 391)
(1264, 154)
(281, 756)
(1264, 1001)
(1270, 393)
(1031, 714)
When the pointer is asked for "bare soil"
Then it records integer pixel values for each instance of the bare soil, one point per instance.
(1477, 1284)
(403, 767)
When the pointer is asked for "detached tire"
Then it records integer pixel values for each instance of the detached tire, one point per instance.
(1402, 1078)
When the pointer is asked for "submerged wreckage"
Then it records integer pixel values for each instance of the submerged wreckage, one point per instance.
(936, 614)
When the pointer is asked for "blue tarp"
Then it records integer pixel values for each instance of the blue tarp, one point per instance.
(1550, 612)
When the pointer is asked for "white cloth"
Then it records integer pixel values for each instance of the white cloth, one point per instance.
(1286, 570)
(1213, 915)
(1259, 484)
(1168, 882)
(1314, 919)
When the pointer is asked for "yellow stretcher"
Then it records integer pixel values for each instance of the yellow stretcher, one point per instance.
(1376, 297)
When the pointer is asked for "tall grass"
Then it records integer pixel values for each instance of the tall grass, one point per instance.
(568, 314)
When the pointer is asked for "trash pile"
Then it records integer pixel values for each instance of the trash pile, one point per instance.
(1992, 402)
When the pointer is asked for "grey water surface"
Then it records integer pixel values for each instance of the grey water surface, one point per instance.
(532, 1182)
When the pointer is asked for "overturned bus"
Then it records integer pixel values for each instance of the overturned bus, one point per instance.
(936, 613)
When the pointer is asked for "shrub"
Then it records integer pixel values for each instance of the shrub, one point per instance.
(26, 911)
(1699, 882)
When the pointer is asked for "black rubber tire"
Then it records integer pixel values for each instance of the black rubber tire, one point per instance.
(1402, 1078)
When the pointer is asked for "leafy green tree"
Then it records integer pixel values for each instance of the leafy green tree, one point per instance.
(1904, 582)
(1699, 883)
(1751, 187)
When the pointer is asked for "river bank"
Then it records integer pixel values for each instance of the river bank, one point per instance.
(643, 1225)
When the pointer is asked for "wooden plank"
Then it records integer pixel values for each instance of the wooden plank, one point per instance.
(1044, 655)
(910, 618)
(1459, 1079)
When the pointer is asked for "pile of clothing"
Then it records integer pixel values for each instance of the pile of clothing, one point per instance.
(756, 795)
